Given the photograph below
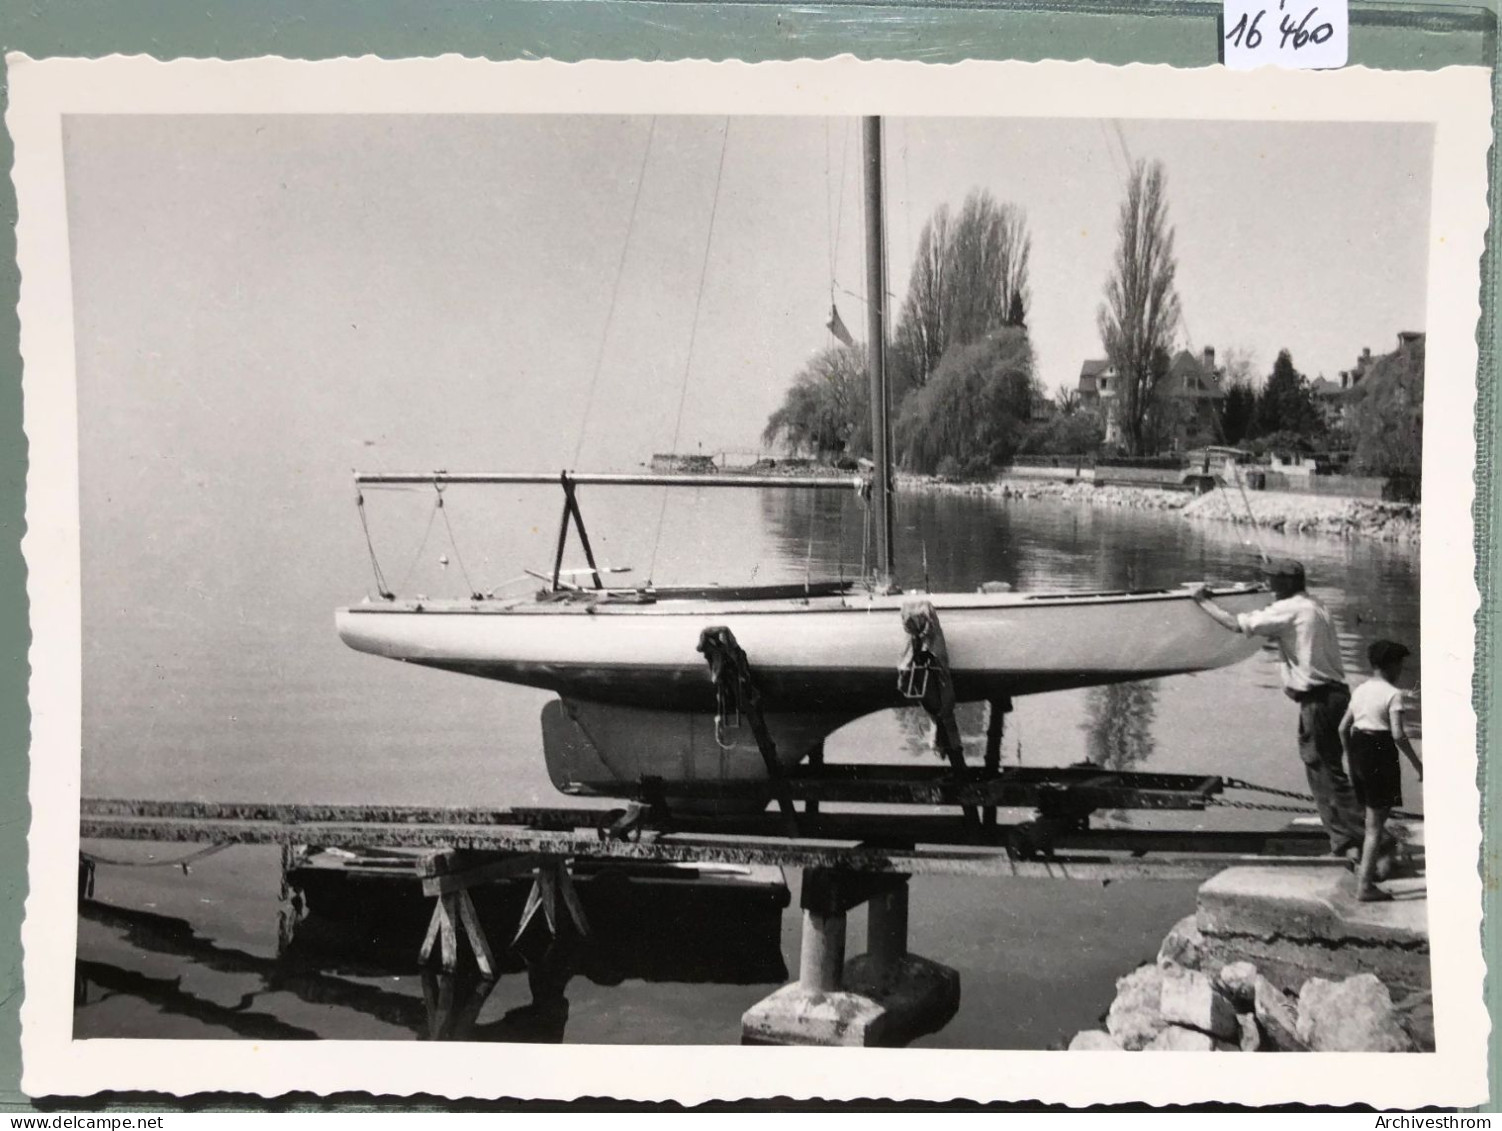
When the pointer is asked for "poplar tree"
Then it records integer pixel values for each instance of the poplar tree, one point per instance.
(1140, 316)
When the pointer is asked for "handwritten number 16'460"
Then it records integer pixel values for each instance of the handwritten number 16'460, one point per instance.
(1248, 33)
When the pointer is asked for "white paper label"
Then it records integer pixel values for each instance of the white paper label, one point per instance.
(1298, 34)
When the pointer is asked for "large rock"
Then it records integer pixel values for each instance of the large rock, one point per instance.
(1416, 1013)
(1183, 945)
(1176, 1038)
(1355, 1015)
(1093, 1040)
(1238, 981)
(1135, 1017)
(1189, 998)
(1277, 1018)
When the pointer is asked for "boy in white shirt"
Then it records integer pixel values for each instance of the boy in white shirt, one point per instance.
(1372, 734)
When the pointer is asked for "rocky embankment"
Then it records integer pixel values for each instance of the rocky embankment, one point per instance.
(1187, 1002)
(1282, 511)
(1309, 514)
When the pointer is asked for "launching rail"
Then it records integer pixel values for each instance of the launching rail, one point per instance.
(922, 843)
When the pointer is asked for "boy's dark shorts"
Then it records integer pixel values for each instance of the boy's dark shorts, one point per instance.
(1374, 770)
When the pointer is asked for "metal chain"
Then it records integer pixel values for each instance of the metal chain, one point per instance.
(1251, 787)
(1260, 806)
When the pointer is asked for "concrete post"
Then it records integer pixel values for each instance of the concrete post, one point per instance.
(821, 963)
(886, 931)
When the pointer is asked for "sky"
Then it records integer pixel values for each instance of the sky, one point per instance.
(472, 291)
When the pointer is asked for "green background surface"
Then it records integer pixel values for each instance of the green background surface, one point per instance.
(1407, 36)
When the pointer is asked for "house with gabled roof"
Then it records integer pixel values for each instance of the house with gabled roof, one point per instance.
(1190, 397)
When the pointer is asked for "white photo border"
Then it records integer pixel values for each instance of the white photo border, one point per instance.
(1456, 100)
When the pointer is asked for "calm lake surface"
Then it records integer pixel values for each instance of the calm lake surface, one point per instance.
(224, 680)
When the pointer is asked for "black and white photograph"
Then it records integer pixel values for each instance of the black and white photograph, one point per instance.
(763, 560)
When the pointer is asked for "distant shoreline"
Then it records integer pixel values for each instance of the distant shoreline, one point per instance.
(1285, 511)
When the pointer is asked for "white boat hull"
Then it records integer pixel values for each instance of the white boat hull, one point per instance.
(828, 656)
(637, 701)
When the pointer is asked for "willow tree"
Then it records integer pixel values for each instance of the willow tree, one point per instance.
(826, 411)
(1140, 316)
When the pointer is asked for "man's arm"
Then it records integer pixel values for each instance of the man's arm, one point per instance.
(1226, 619)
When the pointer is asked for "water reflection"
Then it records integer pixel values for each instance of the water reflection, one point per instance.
(1119, 723)
(917, 730)
(348, 945)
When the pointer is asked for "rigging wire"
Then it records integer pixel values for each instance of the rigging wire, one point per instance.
(1121, 139)
(454, 542)
(375, 563)
(693, 335)
(615, 291)
(423, 545)
(839, 218)
(1110, 150)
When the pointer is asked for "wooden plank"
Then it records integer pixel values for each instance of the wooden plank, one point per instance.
(448, 937)
(434, 925)
(506, 868)
(477, 940)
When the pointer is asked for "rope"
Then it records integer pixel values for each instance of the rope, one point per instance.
(375, 564)
(615, 291)
(454, 544)
(693, 335)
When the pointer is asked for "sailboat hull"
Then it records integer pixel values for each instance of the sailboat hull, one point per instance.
(831, 656)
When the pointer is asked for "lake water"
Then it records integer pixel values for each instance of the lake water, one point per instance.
(212, 674)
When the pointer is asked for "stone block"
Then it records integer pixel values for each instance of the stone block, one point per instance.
(1190, 999)
(1176, 1038)
(1312, 904)
(1355, 1015)
(1238, 981)
(1294, 924)
(1093, 1040)
(919, 995)
(795, 1016)
(1135, 1017)
(1277, 1018)
(1183, 945)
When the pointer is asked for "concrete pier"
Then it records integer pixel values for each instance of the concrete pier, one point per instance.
(883, 997)
(1295, 924)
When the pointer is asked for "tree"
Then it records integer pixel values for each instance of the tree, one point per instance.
(1387, 415)
(973, 414)
(1067, 401)
(826, 411)
(1080, 432)
(1141, 313)
(969, 277)
(922, 333)
(1238, 411)
(1287, 403)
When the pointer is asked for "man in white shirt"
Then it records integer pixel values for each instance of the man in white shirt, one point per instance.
(1315, 678)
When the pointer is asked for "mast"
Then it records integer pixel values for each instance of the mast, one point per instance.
(876, 345)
